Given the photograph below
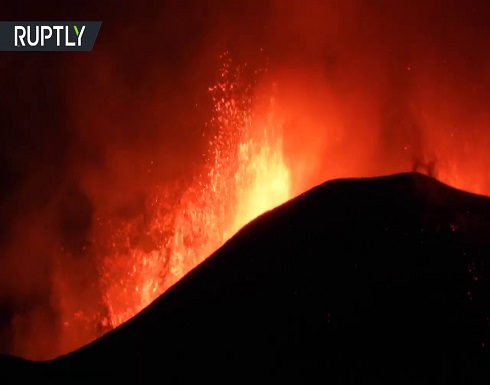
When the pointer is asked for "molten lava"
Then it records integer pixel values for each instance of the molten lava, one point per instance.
(245, 174)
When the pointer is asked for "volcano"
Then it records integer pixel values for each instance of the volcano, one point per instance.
(376, 280)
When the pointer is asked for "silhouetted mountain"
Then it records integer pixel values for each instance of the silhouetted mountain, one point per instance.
(380, 280)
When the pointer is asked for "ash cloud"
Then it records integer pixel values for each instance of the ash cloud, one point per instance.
(364, 88)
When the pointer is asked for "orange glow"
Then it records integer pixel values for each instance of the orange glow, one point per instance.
(264, 148)
(115, 188)
(253, 164)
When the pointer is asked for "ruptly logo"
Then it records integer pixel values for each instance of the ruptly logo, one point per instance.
(48, 35)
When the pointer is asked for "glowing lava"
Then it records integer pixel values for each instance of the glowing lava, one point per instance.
(245, 175)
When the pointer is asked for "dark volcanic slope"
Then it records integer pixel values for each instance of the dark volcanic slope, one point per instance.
(379, 280)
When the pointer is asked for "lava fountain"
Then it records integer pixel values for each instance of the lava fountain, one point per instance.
(245, 174)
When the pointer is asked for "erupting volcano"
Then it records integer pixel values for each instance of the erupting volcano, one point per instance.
(243, 174)
(154, 185)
